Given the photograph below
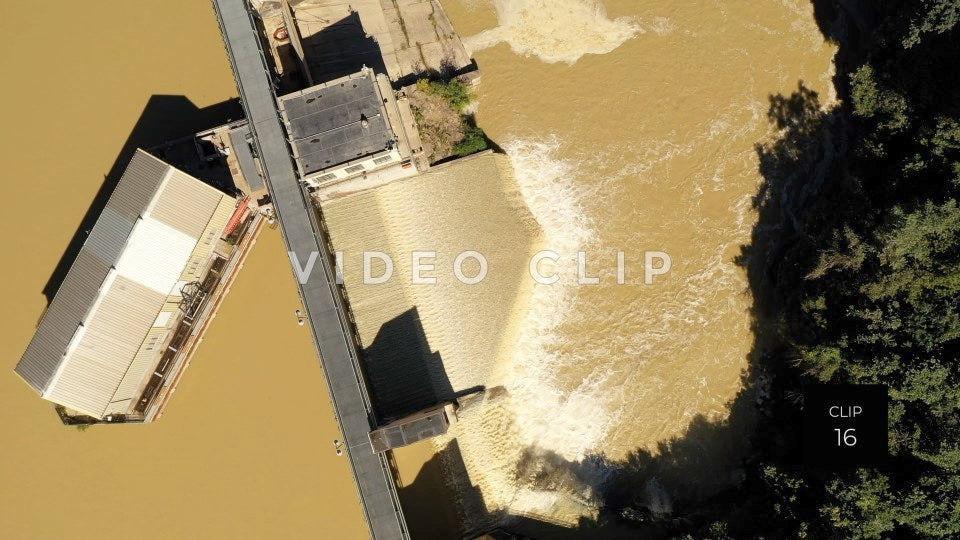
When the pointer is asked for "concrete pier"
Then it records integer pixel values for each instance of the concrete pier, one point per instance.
(320, 295)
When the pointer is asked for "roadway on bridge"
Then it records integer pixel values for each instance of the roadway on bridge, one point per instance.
(321, 298)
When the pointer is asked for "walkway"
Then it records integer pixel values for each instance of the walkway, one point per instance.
(320, 295)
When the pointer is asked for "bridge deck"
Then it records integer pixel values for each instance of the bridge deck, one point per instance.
(321, 298)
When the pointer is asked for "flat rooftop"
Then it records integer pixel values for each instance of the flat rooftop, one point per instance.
(336, 122)
(413, 428)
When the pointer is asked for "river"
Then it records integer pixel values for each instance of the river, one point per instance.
(628, 126)
(245, 448)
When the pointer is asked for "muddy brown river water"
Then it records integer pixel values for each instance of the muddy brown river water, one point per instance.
(627, 125)
(244, 449)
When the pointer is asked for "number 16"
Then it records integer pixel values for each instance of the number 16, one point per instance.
(847, 437)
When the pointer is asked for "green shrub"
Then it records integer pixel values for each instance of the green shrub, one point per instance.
(473, 141)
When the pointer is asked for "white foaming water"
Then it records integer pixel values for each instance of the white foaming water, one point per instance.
(569, 423)
(557, 30)
(535, 417)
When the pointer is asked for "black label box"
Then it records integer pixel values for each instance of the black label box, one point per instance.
(845, 425)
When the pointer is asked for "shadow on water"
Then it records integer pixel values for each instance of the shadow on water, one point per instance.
(164, 118)
(404, 376)
(430, 512)
(427, 505)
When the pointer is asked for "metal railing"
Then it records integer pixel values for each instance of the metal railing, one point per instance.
(318, 233)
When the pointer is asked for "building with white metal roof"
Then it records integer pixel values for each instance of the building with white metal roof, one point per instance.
(105, 329)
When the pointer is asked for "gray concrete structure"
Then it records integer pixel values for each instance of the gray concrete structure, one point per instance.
(414, 427)
(320, 294)
(238, 140)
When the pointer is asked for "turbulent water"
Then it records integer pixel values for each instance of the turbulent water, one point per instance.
(629, 126)
(555, 30)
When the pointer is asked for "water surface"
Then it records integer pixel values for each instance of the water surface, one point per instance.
(245, 447)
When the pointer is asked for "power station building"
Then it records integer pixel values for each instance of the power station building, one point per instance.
(348, 127)
(114, 326)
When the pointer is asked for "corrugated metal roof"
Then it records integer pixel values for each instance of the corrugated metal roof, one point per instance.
(66, 310)
(112, 230)
(138, 185)
(117, 285)
(81, 285)
(156, 254)
(183, 206)
(127, 391)
(90, 374)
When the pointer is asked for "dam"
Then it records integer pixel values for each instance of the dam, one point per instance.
(673, 169)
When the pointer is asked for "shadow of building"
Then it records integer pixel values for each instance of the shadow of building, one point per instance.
(437, 500)
(429, 505)
(164, 118)
(339, 49)
(403, 375)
